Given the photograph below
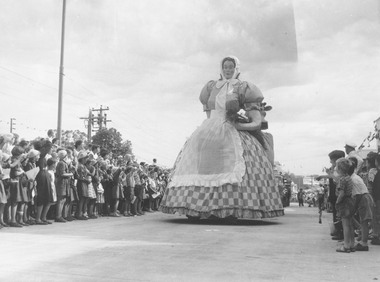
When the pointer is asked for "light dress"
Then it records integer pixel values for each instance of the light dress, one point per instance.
(221, 171)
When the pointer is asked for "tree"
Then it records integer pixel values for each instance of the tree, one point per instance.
(109, 139)
(125, 148)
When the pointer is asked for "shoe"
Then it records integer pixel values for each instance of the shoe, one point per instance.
(114, 214)
(31, 222)
(82, 217)
(4, 224)
(342, 249)
(69, 218)
(61, 219)
(92, 216)
(47, 221)
(41, 223)
(15, 224)
(375, 241)
(353, 249)
(337, 238)
(360, 247)
(24, 223)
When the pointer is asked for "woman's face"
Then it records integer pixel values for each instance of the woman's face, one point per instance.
(228, 69)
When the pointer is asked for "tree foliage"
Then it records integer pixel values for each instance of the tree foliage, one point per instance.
(111, 140)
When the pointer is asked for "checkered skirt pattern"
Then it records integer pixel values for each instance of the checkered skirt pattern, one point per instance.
(255, 197)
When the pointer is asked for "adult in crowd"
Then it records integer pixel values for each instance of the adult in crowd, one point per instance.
(376, 197)
(300, 196)
(225, 168)
(349, 147)
(332, 193)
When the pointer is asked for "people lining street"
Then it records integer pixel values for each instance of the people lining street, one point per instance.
(42, 183)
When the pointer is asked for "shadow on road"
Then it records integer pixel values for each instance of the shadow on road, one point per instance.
(220, 221)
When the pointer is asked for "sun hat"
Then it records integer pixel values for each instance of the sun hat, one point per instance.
(33, 153)
(82, 154)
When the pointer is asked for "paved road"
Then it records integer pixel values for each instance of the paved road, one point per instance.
(160, 247)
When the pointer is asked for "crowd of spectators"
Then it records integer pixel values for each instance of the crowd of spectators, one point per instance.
(354, 195)
(42, 182)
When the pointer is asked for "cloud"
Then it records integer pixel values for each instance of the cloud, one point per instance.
(317, 65)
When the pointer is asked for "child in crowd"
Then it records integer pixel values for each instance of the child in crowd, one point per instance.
(117, 190)
(84, 179)
(45, 192)
(100, 199)
(106, 181)
(345, 204)
(363, 204)
(92, 186)
(72, 162)
(63, 176)
(153, 190)
(16, 192)
(124, 175)
(33, 156)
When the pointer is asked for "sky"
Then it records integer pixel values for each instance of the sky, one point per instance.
(316, 62)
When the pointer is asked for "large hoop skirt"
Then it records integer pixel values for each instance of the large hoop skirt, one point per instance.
(247, 190)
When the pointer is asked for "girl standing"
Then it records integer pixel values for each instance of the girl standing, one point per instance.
(345, 204)
(45, 196)
(82, 184)
(33, 156)
(62, 182)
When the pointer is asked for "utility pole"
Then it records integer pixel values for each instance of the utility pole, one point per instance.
(59, 123)
(101, 119)
(11, 124)
(90, 121)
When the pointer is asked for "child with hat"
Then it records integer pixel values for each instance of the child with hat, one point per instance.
(82, 184)
(16, 193)
(62, 182)
(32, 157)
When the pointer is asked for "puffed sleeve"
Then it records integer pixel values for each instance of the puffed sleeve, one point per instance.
(205, 94)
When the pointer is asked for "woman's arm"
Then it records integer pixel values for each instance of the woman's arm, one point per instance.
(255, 124)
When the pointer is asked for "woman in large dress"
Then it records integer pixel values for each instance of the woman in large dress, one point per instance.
(225, 168)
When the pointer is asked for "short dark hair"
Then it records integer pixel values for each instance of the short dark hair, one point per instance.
(336, 154)
(78, 143)
(50, 162)
(23, 143)
(344, 165)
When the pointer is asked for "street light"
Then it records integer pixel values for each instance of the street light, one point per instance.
(59, 125)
